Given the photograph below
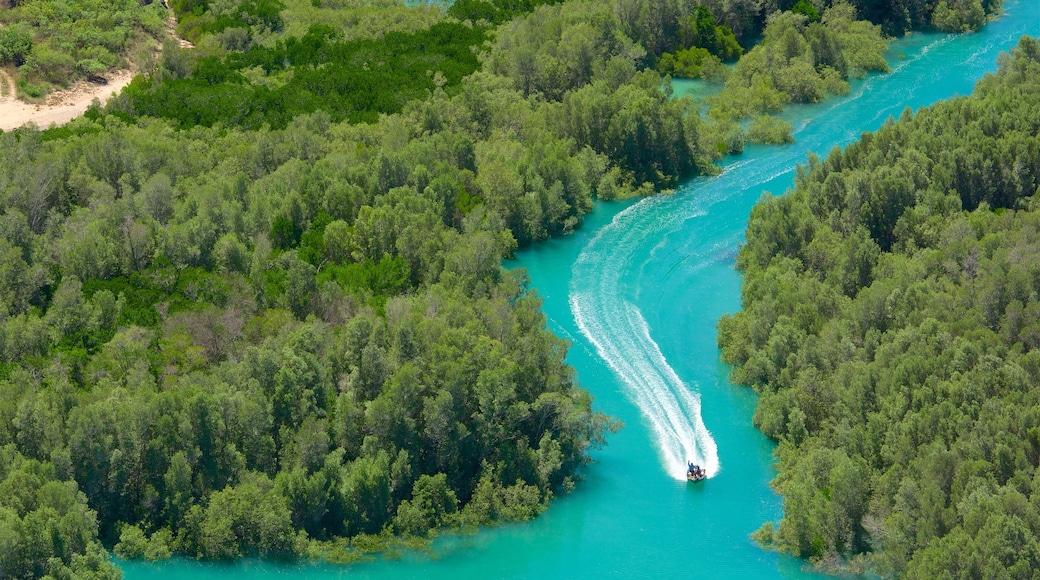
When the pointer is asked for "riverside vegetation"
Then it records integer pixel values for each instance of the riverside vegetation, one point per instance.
(255, 305)
(891, 324)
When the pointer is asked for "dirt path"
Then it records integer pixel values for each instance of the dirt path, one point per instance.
(62, 106)
(171, 27)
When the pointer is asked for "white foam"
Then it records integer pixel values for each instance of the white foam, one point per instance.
(621, 337)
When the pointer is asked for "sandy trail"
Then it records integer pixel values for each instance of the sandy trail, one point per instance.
(64, 106)
(61, 106)
(171, 27)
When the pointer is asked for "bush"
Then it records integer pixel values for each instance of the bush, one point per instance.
(690, 63)
(132, 543)
(30, 90)
(16, 42)
(958, 15)
(805, 8)
(769, 129)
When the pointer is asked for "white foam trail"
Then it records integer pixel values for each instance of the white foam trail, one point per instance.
(603, 299)
(621, 336)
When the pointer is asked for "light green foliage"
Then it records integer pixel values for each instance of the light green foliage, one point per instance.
(561, 47)
(690, 63)
(769, 129)
(861, 43)
(56, 42)
(248, 519)
(358, 18)
(16, 44)
(46, 527)
(801, 61)
(133, 543)
(722, 136)
(890, 327)
(231, 24)
(432, 503)
(240, 25)
(959, 15)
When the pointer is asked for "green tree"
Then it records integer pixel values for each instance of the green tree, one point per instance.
(901, 397)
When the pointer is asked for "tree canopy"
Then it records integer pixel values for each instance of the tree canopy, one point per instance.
(890, 325)
(209, 333)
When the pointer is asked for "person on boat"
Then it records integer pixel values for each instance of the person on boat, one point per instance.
(691, 469)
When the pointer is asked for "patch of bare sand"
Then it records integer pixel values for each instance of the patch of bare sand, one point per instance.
(61, 106)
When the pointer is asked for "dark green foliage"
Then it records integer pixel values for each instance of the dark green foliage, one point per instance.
(672, 25)
(355, 80)
(562, 47)
(805, 8)
(639, 128)
(195, 17)
(493, 11)
(16, 43)
(898, 17)
(890, 327)
(702, 31)
(147, 297)
(285, 233)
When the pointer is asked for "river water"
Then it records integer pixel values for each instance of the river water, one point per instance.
(638, 291)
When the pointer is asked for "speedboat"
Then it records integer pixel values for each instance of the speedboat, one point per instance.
(695, 474)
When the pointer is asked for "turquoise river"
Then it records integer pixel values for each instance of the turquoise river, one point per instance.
(638, 290)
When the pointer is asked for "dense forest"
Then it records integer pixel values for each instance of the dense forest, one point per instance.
(255, 305)
(891, 324)
(294, 321)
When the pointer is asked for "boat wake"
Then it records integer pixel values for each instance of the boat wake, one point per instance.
(621, 337)
(621, 263)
